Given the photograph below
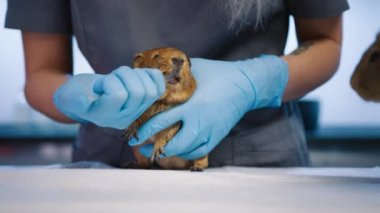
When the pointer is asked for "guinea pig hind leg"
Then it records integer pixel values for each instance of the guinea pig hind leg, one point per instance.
(199, 164)
(161, 139)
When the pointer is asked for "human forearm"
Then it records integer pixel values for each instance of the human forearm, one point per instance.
(312, 64)
(317, 57)
(47, 64)
(39, 91)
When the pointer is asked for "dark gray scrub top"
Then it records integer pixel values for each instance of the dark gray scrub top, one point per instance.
(109, 33)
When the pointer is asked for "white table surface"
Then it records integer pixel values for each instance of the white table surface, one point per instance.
(228, 189)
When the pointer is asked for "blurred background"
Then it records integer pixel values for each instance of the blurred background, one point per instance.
(342, 129)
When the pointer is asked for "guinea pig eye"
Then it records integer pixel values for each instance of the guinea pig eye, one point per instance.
(174, 60)
(375, 56)
(177, 61)
(156, 56)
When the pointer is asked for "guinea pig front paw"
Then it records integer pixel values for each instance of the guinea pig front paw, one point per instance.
(130, 133)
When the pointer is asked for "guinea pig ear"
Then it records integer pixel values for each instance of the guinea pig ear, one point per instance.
(188, 60)
(138, 60)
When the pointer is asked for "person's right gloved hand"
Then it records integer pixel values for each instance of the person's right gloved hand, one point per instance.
(114, 100)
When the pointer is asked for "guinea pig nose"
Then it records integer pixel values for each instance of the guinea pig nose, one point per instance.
(177, 61)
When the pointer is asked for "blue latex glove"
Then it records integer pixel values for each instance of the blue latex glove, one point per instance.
(225, 92)
(114, 100)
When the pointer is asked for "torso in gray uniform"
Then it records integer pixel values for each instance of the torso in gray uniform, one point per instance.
(110, 33)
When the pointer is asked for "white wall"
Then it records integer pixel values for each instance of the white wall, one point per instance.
(339, 103)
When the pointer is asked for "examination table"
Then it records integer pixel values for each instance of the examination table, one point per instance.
(228, 189)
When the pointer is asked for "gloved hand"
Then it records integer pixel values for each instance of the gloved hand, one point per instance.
(114, 100)
(225, 92)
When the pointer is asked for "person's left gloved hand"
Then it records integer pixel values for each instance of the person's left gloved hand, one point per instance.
(225, 92)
